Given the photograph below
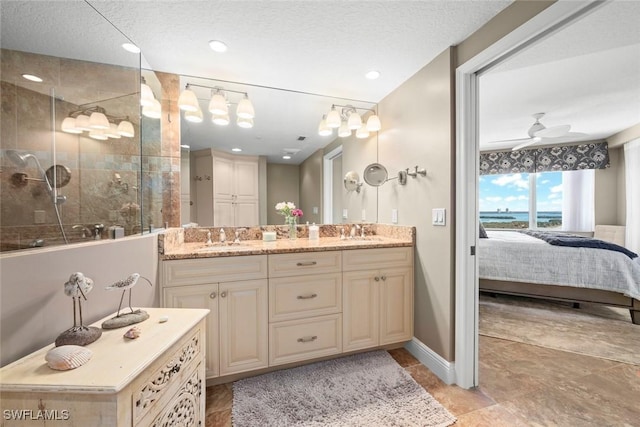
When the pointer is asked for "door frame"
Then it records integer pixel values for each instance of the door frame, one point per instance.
(547, 22)
(327, 190)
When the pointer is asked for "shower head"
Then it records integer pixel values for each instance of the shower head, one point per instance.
(18, 159)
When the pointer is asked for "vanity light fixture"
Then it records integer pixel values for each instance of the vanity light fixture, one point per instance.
(153, 111)
(86, 119)
(32, 78)
(218, 106)
(348, 119)
(146, 94)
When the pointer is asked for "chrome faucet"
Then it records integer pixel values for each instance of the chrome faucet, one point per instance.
(85, 230)
(98, 231)
(237, 239)
(362, 233)
(353, 230)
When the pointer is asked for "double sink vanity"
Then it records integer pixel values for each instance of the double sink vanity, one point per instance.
(290, 300)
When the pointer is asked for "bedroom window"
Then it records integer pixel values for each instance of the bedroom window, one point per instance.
(543, 200)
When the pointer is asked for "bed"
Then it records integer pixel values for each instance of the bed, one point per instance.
(517, 264)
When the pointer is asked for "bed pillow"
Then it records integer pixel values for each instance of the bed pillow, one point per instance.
(482, 233)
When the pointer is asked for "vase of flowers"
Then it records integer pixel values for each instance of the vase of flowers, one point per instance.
(291, 215)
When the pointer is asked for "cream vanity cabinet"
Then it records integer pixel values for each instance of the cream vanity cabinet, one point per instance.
(305, 306)
(234, 289)
(378, 297)
(157, 379)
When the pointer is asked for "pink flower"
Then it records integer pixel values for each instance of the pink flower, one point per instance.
(297, 212)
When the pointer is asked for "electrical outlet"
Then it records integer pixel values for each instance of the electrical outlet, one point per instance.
(394, 216)
(345, 214)
(364, 215)
(39, 217)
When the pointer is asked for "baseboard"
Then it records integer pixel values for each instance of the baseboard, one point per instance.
(443, 369)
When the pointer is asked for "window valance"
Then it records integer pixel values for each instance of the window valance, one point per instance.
(546, 159)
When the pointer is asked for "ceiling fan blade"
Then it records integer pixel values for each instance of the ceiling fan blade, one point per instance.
(553, 131)
(531, 141)
(504, 141)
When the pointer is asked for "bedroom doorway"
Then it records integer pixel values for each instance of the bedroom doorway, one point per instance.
(552, 19)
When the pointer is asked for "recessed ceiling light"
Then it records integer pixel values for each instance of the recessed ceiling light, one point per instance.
(130, 47)
(32, 78)
(372, 75)
(237, 150)
(218, 46)
(286, 157)
(185, 146)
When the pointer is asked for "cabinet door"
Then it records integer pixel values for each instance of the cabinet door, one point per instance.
(396, 305)
(244, 325)
(223, 213)
(246, 213)
(246, 180)
(204, 190)
(223, 177)
(360, 314)
(200, 296)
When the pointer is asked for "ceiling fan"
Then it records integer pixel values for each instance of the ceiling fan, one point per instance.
(538, 132)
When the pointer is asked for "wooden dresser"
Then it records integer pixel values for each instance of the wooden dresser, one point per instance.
(154, 380)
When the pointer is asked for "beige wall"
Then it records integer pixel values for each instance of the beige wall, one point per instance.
(423, 135)
(283, 185)
(337, 190)
(607, 190)
(311, 188)
(356, 155)
(33, 307)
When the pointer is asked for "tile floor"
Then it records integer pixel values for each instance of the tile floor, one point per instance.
(520, 385)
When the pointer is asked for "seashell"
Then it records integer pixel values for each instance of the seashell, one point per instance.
(67, 357)
(163, 319)
(132, 333)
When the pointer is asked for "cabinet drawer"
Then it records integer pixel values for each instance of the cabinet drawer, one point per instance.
(364, 259)
(304, 296)
(283, 265)
(305, 339)
(156, 386)
(211, 270)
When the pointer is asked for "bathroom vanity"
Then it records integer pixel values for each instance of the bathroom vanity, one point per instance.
(154, 380)
(292, 301)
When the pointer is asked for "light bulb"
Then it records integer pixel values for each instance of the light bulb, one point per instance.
(362, 132)
(333, 118)
(323, 129)
(373, 123)
(125, 128)
(343, 130)
(98, 120)
(146, 95)
(188, 101)
(245, 109)
(218, 104)
(244, 122)
(69, 125)
(98, 134)
(355, 122)
(153, 111)
(220, 119)
(193, 116)
(82, 122)
(112, 132)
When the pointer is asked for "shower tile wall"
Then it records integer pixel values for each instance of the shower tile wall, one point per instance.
(95, 194)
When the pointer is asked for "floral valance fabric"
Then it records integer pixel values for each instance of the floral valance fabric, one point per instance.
(546, 159)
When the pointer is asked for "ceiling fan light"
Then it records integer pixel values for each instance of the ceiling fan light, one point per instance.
(245, 109)
(220, 119)
(244, 122)
(373, 123)
(125, 128)
(153, 111)
(323, 129)
(98, 120)
(218, 104)
(188, 101)
(355, 121)
(193, 116)
(112, 132)
(69, 126)
(146, 95)
(333, 118)
(343, 130)
(362, 132)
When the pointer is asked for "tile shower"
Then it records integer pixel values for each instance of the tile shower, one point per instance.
(116, 182)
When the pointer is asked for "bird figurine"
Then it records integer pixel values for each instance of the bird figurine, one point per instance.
(78, 286)
(125, 284)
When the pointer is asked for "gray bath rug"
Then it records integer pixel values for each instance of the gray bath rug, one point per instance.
(368, 389)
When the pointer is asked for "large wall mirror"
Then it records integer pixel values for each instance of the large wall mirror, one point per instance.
(291, 160)
(61, 63)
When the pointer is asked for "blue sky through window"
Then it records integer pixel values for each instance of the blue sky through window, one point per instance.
(502, 192)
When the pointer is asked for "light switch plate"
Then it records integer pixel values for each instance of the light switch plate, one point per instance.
(438, 216)
(394, 216)
(315, 210)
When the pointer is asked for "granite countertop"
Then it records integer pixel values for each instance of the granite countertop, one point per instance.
(175, 246)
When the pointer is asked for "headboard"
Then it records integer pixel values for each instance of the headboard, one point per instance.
(610, 233)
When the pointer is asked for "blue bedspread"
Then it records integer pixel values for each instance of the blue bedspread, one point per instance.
(559, 239)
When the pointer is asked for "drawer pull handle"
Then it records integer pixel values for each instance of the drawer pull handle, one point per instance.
(306, 264)
(307, 296)
(308, 339)
(384, 278)
(223, 294)
(377, 279)
(212, 295)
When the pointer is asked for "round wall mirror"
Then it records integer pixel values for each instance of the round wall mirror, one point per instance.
(62, 175)
(352, 181)
(375, 174)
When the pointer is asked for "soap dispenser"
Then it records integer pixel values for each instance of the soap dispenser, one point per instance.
(314, 232)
